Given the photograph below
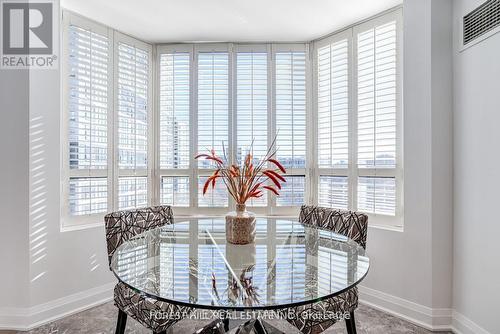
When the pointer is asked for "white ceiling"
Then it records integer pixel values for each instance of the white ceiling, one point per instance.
(227, 20)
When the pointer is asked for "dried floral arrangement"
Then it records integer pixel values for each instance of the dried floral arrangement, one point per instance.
(244, 179)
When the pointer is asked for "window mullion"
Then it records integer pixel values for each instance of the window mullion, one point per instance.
(353, 122)
(271, 200)
(231, 112)
(193, 119)
(112, 126)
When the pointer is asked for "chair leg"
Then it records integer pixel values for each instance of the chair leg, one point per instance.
(121, 322)
(351, 324)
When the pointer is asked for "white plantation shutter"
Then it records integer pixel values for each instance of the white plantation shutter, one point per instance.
(292, 191)
(174, 190)
(216, 197)
(133, 72)
(133, 122)
(251, 103)
(333, 83)
(132, 192)
(213, 102)
(88, 195)
(133, 107)
(174, 110)
(290, 110)
(251, 109)
(174, 128)
(377, 95)
(377, 195)
(333, 104)
(334, 192)
(88, 103)
(378, 103)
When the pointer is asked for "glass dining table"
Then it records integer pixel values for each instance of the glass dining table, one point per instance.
(189, 263)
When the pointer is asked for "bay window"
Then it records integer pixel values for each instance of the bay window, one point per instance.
(136, 114)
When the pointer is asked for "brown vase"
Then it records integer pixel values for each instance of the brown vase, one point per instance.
(240, 226)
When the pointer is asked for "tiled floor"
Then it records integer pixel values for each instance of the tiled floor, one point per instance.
(102, 319)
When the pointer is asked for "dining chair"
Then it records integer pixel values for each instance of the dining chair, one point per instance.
(121, 226)
(353, 225)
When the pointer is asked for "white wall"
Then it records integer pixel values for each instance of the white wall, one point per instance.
(476, 275)
(405, 276)
(74, 261)
(14, 107)
(412, 269)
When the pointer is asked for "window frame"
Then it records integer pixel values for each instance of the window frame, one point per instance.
(112, 173)
(69, 18)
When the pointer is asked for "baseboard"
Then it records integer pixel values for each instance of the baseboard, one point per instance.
(23, 319)
(437, 320)
(463, 325)
(431, 319)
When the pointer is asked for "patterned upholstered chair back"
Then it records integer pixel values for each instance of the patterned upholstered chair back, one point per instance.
(124, 225)
(353, 225)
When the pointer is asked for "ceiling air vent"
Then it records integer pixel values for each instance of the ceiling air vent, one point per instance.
(481, 22)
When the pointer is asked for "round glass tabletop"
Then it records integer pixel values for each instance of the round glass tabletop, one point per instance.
(190, 263)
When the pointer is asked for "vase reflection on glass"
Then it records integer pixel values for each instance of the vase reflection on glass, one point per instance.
(240, 226)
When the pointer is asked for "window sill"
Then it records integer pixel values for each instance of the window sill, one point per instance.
(72, 227)
(79, 227)
(387, 227)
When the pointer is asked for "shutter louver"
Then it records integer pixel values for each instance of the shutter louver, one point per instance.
(88, 120)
